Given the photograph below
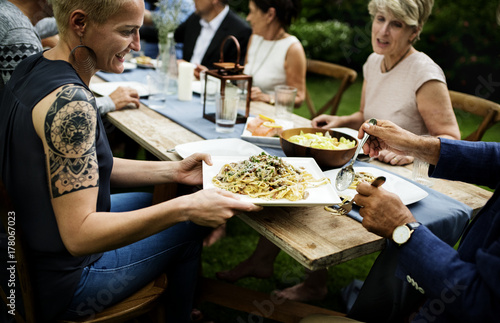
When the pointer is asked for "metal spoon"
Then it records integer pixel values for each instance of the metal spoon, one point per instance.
(345, 176)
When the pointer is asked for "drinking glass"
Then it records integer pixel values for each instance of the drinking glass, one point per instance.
(284, 101)
(226, 109)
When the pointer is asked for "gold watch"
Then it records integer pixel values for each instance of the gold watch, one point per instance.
(402, 233)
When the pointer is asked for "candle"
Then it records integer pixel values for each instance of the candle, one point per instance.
(185, 91)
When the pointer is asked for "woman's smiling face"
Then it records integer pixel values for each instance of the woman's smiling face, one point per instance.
(391, 37)
(115, 38)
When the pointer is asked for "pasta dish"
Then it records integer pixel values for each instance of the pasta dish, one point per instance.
(361, 177)
(268, 177)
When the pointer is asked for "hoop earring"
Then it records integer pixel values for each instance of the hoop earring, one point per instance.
(83, 59)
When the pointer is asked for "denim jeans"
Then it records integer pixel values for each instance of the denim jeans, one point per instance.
(121, 272)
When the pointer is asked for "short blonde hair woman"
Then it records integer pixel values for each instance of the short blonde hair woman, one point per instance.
(90, 249)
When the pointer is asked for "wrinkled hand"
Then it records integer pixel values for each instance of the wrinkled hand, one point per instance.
(386, 135)
(381, 210)
(325, 121)
(394, 159)
(190, 169)
(213, 207)
(125, 97)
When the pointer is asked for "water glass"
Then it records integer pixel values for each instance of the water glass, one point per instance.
(420, 172)
(226, 109)
(157, 83)
(284, 101)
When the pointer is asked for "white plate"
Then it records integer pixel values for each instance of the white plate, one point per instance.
(321, 195)
(151, 65)
(265, 141)
(348, 131)
(408, 192)
(106, 88)
(129, 66)
(219, 147)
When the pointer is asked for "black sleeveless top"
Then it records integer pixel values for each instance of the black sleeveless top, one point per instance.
(24, 173)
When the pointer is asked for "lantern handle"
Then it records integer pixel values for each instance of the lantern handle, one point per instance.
(237, 63)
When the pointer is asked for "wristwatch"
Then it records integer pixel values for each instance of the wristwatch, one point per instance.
(402, 234)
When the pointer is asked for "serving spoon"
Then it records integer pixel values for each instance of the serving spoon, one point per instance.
(346, 175)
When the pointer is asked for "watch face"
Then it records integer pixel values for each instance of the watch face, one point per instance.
(401, 234)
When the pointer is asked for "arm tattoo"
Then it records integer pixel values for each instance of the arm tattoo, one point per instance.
(70, 132)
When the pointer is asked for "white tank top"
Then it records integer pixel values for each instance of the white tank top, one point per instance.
(266, 61)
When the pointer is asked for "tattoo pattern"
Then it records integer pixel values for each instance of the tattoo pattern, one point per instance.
(70, 131)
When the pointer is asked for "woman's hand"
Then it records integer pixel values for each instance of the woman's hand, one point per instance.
(189, 171)
(394, 159)
(213, 207)
(257, 95)
(325, 121)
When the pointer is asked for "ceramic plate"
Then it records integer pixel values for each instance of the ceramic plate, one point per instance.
(129, 66)
(265, 141)
(408, 192)
(152, 63)
(106, 88)
(348, 131)
(321, 195)
(219, 147)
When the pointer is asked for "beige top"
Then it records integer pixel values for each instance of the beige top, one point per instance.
(392, 95)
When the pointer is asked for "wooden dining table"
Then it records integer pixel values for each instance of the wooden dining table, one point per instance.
(312, 236)
(308, 234)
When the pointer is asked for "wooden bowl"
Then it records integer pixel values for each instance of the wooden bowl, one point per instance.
(325, 158)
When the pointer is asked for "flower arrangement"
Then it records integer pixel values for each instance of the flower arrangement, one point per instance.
(168, 16)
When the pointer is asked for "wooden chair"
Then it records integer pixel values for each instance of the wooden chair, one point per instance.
(145, 301)
(345, 75)
(488, 110)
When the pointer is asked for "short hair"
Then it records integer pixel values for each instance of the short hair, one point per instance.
(98, 10)
(414, 13)
(286, 10)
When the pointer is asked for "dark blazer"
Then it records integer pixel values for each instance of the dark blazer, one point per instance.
(188, 32)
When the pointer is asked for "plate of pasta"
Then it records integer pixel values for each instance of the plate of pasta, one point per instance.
(408, 192)
(270, 180)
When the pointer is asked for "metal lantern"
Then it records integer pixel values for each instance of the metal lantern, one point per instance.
(230, 75)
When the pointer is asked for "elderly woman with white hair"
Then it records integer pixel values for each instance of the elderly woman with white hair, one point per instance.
(89, 249)
(400, 84)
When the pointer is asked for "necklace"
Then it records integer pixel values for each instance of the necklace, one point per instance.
(387, 70)
(275, 40)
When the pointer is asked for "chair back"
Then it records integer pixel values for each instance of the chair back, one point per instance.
(345, 75)
(489, 112)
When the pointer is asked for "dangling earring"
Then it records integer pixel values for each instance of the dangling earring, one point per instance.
(83, 59)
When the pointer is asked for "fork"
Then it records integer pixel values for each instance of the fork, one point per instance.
(346, 207)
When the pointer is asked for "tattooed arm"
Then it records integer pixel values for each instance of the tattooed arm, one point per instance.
(66, 123)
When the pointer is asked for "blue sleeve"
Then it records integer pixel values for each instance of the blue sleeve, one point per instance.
(471, 291)
(474, 162)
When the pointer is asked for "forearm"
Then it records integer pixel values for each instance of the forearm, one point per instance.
(353, 121)
(133, 173)
(100, 231)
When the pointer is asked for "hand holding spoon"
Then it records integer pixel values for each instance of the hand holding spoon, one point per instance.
(345, 176)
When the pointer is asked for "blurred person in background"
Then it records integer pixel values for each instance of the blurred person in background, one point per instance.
(204, 31)
(274, 56)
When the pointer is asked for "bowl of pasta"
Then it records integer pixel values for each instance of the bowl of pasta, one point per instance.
(330, 149)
